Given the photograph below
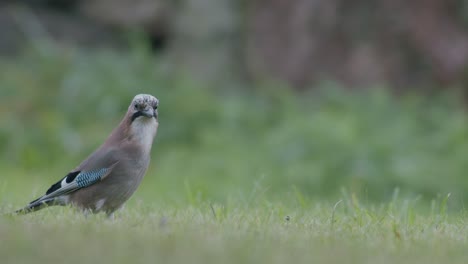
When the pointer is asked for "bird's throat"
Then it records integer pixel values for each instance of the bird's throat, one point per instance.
(142, 132)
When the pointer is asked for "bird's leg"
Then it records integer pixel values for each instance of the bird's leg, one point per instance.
(111, 216)
(86, 213)
(111, 213)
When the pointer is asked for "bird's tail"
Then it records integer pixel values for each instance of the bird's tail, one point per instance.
(36, 205)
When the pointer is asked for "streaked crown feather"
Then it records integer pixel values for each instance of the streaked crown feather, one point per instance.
(145, 99)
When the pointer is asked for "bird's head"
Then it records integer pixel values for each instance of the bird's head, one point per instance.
(141, 122)
(143, 106)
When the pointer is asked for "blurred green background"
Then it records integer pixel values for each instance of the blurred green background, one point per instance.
(318, 106)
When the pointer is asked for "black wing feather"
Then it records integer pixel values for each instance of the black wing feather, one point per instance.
(69, 178)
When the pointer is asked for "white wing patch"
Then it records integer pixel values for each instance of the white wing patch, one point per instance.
(100, 203)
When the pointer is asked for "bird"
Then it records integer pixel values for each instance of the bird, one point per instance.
(107, 178)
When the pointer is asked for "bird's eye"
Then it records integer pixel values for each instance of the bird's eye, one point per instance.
(136, 106)
(155, 107)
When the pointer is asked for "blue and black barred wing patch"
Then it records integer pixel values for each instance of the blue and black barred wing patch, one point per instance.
(87, 178)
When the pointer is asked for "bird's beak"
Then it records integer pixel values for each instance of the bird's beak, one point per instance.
(148, 113)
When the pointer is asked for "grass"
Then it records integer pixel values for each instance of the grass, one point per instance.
(230, 167)
(214, 233)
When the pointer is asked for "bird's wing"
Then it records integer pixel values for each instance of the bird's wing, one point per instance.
(73, 181)
(76, 180)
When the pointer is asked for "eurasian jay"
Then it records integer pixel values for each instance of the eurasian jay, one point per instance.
(105, 180)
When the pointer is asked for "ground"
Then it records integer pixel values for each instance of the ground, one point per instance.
(258, 232)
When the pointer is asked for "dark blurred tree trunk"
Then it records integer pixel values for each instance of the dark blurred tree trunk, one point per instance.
(433, 30)
(205, 40)
(358, 42)
(293, 40)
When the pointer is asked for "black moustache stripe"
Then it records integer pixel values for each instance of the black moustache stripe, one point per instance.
(136, 115)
